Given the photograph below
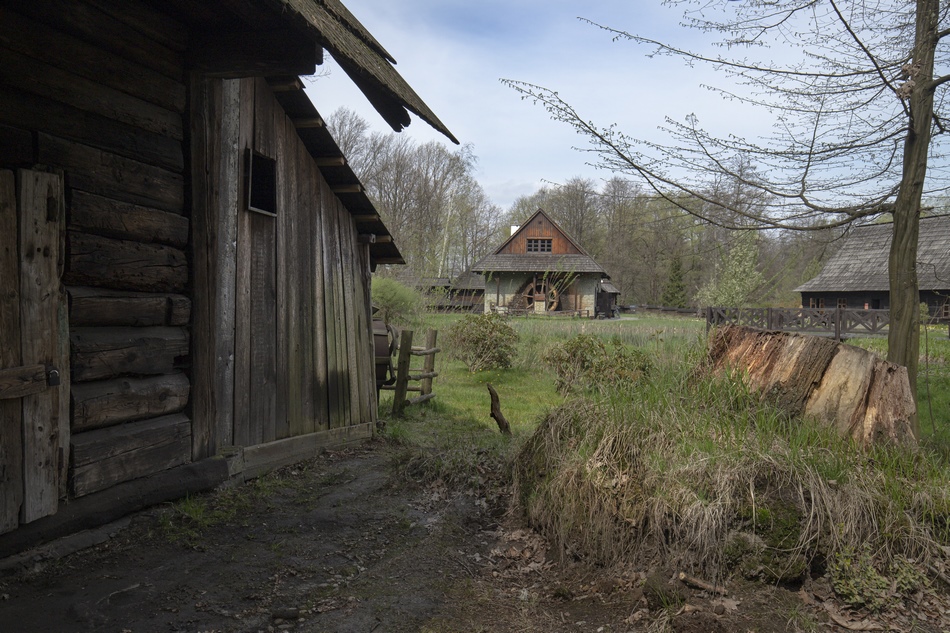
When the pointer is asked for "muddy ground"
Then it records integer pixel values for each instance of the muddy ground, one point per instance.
(347, 543)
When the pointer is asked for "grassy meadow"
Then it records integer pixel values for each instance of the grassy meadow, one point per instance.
(678, 464)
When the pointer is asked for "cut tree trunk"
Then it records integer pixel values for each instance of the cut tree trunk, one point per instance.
(848, 388)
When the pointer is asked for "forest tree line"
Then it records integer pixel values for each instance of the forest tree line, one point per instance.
(655, 252)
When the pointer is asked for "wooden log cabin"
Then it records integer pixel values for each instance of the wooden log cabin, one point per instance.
(185, 254)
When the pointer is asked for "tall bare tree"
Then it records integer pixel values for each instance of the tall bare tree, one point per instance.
(853, 95)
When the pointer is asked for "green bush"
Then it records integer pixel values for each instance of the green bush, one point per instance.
(585, 361)
(483, 341)
(398, 304)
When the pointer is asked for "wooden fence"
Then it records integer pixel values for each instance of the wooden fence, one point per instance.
(404, 371)
(837, 322)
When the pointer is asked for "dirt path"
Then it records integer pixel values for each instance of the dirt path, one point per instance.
(341, 545)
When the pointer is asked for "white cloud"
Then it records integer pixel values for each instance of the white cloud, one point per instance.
(453, 54)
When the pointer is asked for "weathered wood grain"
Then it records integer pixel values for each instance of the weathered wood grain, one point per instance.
(41, 206)
(242, 325)
(51, 82)
(88, 23)
(100, 261)
(100, 353)
(17, 382)
(32, 38)
(25, 110)
(11, 411)
(215, 130)
(109, 402)
(107, 307)
(106, 457)
(104, 173)
(316, 210)
(123, 220)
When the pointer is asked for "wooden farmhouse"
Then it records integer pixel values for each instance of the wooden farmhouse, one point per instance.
(856, 275)
(185, 255)
(543, 270)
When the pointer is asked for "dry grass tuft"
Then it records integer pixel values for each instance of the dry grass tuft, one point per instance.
(697, 471)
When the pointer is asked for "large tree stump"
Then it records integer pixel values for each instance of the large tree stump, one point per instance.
(849, 388)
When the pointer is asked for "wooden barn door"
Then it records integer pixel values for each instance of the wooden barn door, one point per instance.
(34, 348)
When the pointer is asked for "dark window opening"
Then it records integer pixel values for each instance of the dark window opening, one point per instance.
(261, 179)
(539, 245)
(842, 303)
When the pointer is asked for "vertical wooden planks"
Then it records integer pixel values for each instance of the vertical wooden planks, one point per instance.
(292, 278)
(304, 290)
(316, 209)
(41, 205)
(366, 287)
(242, 324)
(215, 121)
(264, 316)
(354, 323)
(11, 416)
(330, 259)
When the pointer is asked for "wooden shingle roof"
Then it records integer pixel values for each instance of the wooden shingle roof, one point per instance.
(537, 263)
(367, 63)
(861, 262)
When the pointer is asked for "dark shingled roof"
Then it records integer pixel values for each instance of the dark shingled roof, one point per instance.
(861, 262)
(537, 262)
(367, 63)
(469, 281)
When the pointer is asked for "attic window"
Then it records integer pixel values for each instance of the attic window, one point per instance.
(539, 245)
(261, 180)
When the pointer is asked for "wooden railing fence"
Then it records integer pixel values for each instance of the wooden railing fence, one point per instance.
(838, 322)
(405, 373)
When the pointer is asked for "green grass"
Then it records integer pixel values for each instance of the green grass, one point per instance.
(684, 462)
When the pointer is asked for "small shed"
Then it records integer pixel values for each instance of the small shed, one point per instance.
(185, 255)
(855, 276)
(541, 269)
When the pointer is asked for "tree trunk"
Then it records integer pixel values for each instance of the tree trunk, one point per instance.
(904, 334)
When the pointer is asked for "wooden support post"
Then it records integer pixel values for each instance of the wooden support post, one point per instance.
(402, 371)
(428, 366)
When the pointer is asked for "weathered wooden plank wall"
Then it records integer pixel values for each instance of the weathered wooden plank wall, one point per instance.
(99, 87)
(11, 446)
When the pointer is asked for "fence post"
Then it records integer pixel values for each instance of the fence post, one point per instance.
(428, 365)
(402, 372)
(838, 314)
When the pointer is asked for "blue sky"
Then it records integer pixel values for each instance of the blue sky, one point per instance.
(453, 54)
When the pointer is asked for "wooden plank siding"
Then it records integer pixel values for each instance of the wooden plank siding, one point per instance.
(11, 446)
(185, 323)
(540, 228)
(100, 92)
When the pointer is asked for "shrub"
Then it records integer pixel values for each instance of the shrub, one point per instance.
(483, 341)
(397, 303)
(585, 361)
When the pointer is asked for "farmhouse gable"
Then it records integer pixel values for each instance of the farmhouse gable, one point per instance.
(540, 268)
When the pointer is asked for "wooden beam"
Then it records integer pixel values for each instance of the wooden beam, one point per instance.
(388, 260)
(366, 238)
(384, 239)
(366, 217)
(284, 84)
(352, 188)
(309, 122)
(116, 502)
(22, 381)
(329, 161)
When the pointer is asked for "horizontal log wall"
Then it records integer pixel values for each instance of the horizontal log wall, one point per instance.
(97, 90)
